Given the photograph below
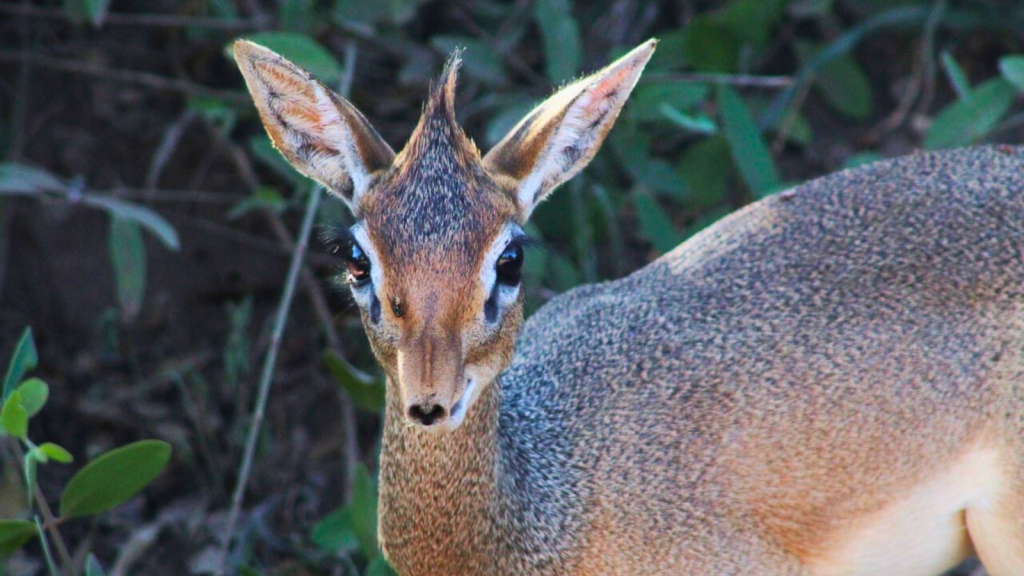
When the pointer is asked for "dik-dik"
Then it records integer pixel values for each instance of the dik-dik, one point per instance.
(828, 382)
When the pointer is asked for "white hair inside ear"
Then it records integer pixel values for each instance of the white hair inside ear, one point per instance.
(559, 137)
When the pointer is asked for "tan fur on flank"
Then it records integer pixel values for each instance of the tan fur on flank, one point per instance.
(829, 382)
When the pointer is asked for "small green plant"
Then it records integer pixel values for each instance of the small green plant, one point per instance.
(107, 481)
(352, 528)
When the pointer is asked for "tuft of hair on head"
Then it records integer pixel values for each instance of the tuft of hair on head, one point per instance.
(438, 126)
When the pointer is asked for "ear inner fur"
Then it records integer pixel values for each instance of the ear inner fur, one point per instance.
(319, 132)
(558, 138)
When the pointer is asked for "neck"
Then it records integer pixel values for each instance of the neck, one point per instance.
(438, 491)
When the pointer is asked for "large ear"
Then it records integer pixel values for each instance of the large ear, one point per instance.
(319, 132)
(559, 137)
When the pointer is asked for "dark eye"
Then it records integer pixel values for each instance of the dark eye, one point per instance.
(358, 264)
(510, 264)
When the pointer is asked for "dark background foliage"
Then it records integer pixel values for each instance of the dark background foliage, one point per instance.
(146, 225)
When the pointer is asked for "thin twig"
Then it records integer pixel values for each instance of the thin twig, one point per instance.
(738, 80)
(348, 413)
(164, 195)
(18, 110)
(46, 548)
(789, 119)
(246, 171)
(167, 145)
(50, 522)
(268, 373)
(154, 81)
(153, 20)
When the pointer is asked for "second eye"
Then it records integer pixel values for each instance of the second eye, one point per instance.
(510, 264)
(358, 264)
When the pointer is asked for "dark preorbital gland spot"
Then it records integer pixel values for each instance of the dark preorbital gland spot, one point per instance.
(491, 306)
(375, 310)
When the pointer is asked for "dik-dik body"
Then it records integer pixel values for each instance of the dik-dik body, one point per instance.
(827, 382)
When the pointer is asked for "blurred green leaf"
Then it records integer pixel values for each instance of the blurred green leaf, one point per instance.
(23, 360)
(263, 150)
(363, 510)
(114, 478)
(842, 82)
(671, 52)
(648, 98)
(361, 12)
(632, 146)
(93, 10)
(128, 254)
(217, 112)
(14, 416)
(265, 197)
(236, 346)
(16, 177)
(752, 21)
(34, 393)
(969, 119)
(809, 8)
(92, 566)
(56, 453)
(956, 75)
(846, 42)
(655, 224)
(380, 567)
(14, 534)
(366, 391)
(564, 274)
(297, 15)
(748, 148)
(711, 46)
(97, 11)
(31, 467)
(563, 48)
(148, 219)
(335, 532)
(248, 571)
(799, 130)
(1012, 69)
(478, 59)
(504, 121)
(222, 8)
(301, 49)
(705, 167)
(698, 124)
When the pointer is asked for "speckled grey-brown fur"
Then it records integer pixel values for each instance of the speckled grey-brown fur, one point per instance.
(754, 402)
(729, 407)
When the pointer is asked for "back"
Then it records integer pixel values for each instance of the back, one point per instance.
(798, 329)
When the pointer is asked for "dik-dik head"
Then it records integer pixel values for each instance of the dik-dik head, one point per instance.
(434, 258)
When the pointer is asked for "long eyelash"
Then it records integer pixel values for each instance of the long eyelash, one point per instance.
(527, 242)
(336, 236)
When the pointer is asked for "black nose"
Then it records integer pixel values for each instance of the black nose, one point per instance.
(427, 414)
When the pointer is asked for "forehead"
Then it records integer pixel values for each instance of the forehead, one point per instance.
(440, 211)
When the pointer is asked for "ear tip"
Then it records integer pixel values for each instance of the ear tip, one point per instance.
(645, 50)
(247, 49)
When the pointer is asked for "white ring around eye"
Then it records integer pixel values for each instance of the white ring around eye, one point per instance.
(363, 295)
(488, 272)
